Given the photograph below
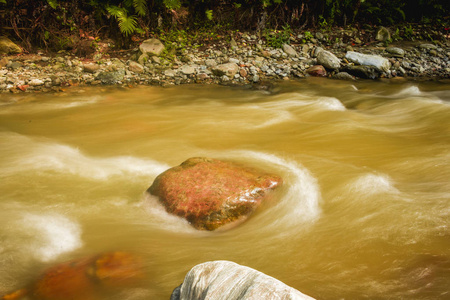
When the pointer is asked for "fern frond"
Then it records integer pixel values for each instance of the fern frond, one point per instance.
(115, 11)
(127, 24)
(140, 6)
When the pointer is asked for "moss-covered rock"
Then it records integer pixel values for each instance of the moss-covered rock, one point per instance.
(8, 47)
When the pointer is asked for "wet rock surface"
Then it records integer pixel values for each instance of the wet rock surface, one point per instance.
(224, 280)
(211, 193)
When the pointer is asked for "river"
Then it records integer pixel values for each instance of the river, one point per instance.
(364, 211)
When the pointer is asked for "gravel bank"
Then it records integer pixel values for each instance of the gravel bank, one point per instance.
(247, 60)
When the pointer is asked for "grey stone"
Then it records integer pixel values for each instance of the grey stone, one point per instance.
(156, 60)
(210, 63)
(170, 73)
(143, 58)
(90, 67)
(229, 69)
(111, 77)
(427, 46)
(319, 36)
(136, 67)
(187, 69)
(289, 50)
(328, 60)
(380, 63)
(383, 34)
(395, 51)
(315, 51)
(224, 280)
(152, 47)
(36, 82)
(15, 65)
(343, 76)
(233, 43)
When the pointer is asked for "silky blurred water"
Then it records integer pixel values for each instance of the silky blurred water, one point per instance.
(364, 212)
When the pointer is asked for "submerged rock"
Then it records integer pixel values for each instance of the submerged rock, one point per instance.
(224, 280)
(84, 279)
(210, 193)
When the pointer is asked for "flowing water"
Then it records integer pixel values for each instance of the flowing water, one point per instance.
(364, 212)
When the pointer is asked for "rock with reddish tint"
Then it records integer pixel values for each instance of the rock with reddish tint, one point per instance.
(210, 193)
(84, 279)
(317, 71)
(66, 281)
(118, 269)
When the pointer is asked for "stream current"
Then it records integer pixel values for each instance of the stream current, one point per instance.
(364, 211)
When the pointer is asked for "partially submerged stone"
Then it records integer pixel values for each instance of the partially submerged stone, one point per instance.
(210, 193)
(65, 281)
(223, 280)
(84, 279)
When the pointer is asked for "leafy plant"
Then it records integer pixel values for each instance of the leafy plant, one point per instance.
(128, 23)
(277, 39)
(308, 37)
(53, 3)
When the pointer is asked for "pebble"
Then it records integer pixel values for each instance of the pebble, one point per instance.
(251, 61)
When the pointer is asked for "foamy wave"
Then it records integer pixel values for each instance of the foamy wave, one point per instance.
(371, 184)
(301, 202)
(49, 156)
(300, 100)
(409, 91)
(49, 235)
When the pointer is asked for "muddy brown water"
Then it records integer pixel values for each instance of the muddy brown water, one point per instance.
(364, 212)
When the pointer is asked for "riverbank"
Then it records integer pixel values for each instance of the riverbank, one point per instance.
(243, 59)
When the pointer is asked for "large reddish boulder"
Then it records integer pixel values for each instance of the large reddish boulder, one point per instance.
(210, 193)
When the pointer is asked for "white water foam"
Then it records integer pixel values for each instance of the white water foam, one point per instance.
(49, 235)
(409, 91)
(301, 202)
(300, 100)
(372, 184)
(50, 156)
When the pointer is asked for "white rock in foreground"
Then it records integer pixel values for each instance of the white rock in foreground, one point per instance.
(225, 280)
(380, 63)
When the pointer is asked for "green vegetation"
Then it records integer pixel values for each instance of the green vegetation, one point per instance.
(61, 24)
